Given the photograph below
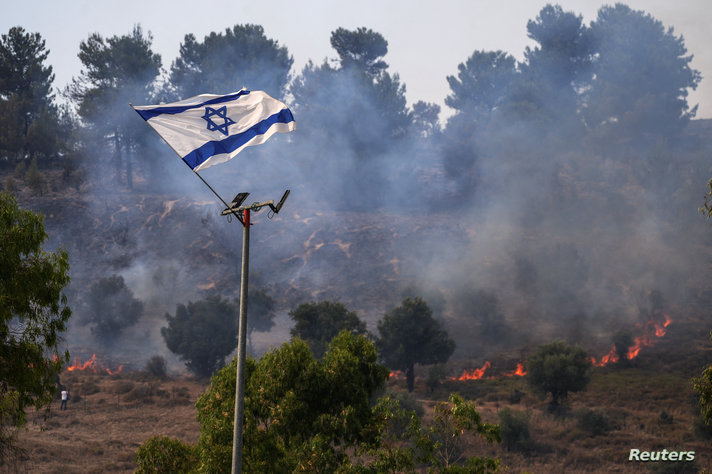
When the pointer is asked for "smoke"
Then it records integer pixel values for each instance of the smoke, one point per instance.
(538, 234)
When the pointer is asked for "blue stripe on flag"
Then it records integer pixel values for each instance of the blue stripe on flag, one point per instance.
(150, 113)
(217, 147)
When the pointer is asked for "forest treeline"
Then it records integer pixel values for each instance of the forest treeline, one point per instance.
(622, 78)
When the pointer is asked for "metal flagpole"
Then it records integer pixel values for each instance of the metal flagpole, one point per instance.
(241, 342)
(234, 208)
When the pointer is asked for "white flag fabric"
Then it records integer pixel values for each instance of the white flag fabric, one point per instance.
(209, 129)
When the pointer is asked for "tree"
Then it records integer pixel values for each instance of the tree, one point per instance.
(260, 313)
(557, 69)
(368, 126)
(558, 368)
(642, 74)
(480, 90)
(318, 323)
(29, 119)
(703, 386)
(202, 333)
(110, 308)
(409, 335)
(442, 444)
(482, 84)
(301, 414)
(117, 71)
(33, 314)
(241, 57)
(164, 454)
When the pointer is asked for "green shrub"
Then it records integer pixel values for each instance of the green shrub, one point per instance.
(163, 454)
(592, 422)
(701, 429)
(514, 430)
(436, 374)
(34, 178)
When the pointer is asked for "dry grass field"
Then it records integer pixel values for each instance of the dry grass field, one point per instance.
(646, 404)
(106, 420)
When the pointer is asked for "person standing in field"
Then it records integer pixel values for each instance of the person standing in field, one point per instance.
(65, 396)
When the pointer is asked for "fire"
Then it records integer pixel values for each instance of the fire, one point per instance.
(611, 357)
(519, 371)
(396, 375)
(652, 331)
(474, 374)
(92, 365)
(478, 374)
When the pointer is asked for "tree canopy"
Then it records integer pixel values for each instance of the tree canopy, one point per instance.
(30, 121)
(703, 387)
(202, 333)
(409, 335)
(242, 56)
(110, 307)
(299, 411)
(117, 71)
(318, 323)
(33, 314)
(558, 369)
(642, 74)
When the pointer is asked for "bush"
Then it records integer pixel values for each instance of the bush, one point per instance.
(514, 430)
(10, 185)
(701, 429)
(409, 403)
(157, 366)
(34, 178)
(436, 374)
(665, 418)
(558, 368)
(20, 170)
(592, 422)
(163, 454)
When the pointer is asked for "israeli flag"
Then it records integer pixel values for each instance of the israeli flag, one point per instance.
(209, 129)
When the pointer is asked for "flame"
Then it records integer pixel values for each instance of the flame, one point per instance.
(652, 331)
(396, 375)
(474, 374)
(92, 365)
(519, 371)
(611, 357)
(117, 371)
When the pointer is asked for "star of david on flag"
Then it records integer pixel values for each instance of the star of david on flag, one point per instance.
(209, 129)
(222, 114)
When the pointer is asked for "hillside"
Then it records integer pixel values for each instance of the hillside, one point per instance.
(578, 248)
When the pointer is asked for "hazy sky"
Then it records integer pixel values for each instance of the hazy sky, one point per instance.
(426, 39)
